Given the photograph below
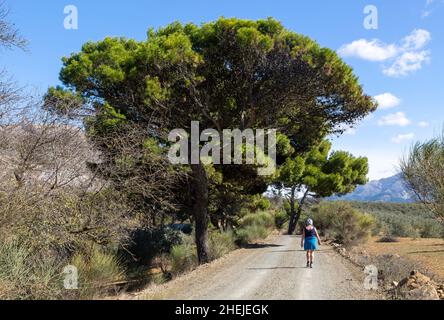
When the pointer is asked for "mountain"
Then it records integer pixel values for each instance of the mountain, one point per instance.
(385, 190)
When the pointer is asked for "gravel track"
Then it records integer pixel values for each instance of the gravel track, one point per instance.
(272, 271)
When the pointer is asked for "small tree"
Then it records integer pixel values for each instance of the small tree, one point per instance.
(9, 38)
(320, 174)
(423, 171)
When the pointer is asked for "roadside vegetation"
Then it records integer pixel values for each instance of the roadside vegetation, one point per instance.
(408, 220)
(387, 221)
(423, 170)
(340, 222)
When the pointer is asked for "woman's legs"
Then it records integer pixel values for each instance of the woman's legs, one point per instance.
(311, 256)
(308, 258)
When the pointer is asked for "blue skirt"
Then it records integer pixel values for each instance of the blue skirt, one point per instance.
(310, 243)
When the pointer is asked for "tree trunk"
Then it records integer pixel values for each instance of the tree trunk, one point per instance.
(292, 223)
(200, 211)
(295, 215)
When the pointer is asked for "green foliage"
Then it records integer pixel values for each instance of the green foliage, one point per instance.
(146, 244)
(98, 271)
(183, 256)
(401, 219)
(287, 207)
(183, 73)
(251, 233)
(24, 275)
(220, 243)
(263, 218)
(324, 174)
(341, 222)
(423, 170)
(259, 203)
(255, 226)
(165, 79)
(280, 218)
(62, 102)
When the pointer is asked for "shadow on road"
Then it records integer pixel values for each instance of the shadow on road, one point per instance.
(300, 250)
(275, 268)
(261, 246)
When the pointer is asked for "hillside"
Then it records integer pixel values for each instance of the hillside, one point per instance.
(390, 189)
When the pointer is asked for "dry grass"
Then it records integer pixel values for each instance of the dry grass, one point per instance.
(426, 252)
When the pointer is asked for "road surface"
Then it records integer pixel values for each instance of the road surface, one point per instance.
(275, 270)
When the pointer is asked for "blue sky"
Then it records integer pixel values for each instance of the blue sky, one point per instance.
(400, 62)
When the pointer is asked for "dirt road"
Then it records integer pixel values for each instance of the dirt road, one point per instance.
(275, 270)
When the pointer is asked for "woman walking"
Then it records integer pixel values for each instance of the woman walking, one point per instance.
(310, 241)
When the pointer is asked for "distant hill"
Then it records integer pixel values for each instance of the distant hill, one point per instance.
(385, 190)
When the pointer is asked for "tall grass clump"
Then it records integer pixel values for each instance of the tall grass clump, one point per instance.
(99, 272)
(220, 243)
(27, 276)
(255, 226)
(183, 256)
(251, 233)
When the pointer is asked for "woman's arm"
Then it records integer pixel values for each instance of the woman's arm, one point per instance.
(317, 236)
(303, 237)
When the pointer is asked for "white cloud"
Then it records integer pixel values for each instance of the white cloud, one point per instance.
(425, 13)
(406, 55)
(416, 40)
(408, 62)
(387, 101)
(423, 124)
(429, 7)
(394, 119)
(373, 50)
(400, 138)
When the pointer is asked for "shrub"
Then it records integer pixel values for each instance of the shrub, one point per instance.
(287, 207)
(26, 276)
(402, 219)
(431, 229)
(280, 218)
(251, 233)
(343, 223)
(220, 243)
(259, 203)
(146, 244)
(98, 271)
(388, 239)
(263, 218)
(392, 267)
(183, 256)
(254, 226)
